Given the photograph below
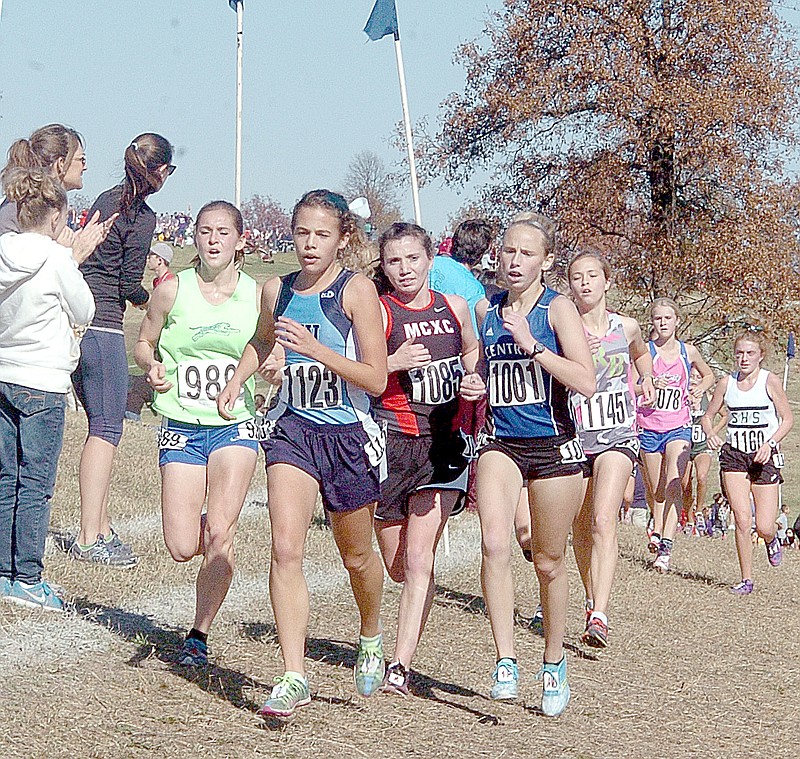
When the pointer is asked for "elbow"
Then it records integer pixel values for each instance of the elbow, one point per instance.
(378, 384)
(588, 385)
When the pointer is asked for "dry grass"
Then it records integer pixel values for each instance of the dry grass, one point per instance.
(691, 671)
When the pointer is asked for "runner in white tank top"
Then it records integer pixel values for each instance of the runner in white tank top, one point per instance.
(606, 426)
(666, 459)
(750, 459)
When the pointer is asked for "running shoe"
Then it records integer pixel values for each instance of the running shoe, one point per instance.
(5, 586)
(661, 563)
(370, 666)
(290, 692)
(99, 553)
(505, 680)
(555, 688)
(588, 608)
(194, 653)
(116, 546)
(653, 543)
(774, 552)
(744, 588)
(397, 678)
(596, 633)
(537, 621)
(37, 595)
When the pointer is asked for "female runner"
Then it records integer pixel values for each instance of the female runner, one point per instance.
(533, 351)
(431, 344)
(606, 425)
(114, 275)
(666, 433)
(191, 339)
(750, 460)
(699, 456)
(328, 321)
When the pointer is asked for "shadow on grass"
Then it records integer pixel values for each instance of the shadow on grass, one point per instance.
(697, 577)
(163, 643)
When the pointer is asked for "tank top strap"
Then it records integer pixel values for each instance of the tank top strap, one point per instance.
(685, 358)
(652, 346)
(285, 293)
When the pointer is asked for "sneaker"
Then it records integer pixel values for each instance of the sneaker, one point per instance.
(370, 666)
(744, 588)
(505, 680)
(38, 595)
(100, 553)
(537, 621)
(774, 552)
(596, 633)
(396, 680)
(116, 546)
(290, 692)
(555, 688)
(5, 586)
(193, 653)
(661, 563)
(653, 543)
(588, 608)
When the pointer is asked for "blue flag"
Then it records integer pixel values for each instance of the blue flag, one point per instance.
(790, 347)
(382, 20)
(234, 3)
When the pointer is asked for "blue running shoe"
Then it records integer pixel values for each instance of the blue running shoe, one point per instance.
(555, 690)
(37, 595)
(370, 665)
(194, 653)
(5, 586)
(537, 621)
(505, 680)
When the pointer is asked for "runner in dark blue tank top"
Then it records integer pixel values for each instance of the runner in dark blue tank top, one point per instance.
(533, 351)
(328, 323)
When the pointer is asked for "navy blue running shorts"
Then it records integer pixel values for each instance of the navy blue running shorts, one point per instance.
(540, 458)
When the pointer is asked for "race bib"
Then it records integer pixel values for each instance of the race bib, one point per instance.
(515, 383)
(258, 429)
(200, 381)
(605, 411)
(436, 383)
(668, 399)
(171, 441)
(572, 452)
(312, 385)
(698, 436)
(778, 460)
(375, 447)
(746, 441)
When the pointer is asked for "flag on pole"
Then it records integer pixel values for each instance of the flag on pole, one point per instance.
(790, 347)
(382, 21)
(234, 3)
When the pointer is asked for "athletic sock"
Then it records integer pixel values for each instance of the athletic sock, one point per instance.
(510, 658)
(656, 536)
(599, 615)
(197, 635)
(365, 641)
(666, 543)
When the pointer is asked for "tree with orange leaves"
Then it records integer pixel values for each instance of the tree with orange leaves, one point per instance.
(653, 129)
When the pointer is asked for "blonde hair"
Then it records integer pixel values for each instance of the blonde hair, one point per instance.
(597, 256)
(43, 148)
(543, 224)
(666, 303)
(755, 336)
(35, 192)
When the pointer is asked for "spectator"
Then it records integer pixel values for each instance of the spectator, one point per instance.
(158, 261)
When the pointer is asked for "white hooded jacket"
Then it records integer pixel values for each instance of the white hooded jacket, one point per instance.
(43, 299)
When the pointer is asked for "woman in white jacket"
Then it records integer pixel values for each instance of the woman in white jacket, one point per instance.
(44, 304)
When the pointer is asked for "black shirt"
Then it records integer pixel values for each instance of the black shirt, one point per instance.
(114, 271)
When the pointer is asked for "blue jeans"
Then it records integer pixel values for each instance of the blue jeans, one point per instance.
(31, 433)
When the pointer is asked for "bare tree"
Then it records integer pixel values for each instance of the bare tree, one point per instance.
(367, 176)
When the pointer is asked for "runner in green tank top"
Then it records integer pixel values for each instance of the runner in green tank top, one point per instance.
(190, 342)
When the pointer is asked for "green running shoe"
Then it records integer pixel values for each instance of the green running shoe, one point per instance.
(290, 692)
(370, 665)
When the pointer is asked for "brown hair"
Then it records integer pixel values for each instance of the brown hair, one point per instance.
(43, 148)
(143, 156)
(471, 239)
(357, 254)
(597, 256)
(236, 218)
(401, 229)
(35, 192)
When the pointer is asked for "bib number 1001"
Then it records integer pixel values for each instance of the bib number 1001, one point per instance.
(200, 382)
(515, 383)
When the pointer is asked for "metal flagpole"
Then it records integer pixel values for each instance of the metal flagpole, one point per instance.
(407, 122)
(239, 21)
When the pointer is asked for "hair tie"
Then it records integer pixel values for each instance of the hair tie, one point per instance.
(135, 145)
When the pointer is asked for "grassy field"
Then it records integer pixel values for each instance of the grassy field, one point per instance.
(691, 670)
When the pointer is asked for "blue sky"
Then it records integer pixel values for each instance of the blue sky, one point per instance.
(316, 90)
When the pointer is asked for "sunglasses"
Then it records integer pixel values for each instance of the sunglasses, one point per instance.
(171, 169)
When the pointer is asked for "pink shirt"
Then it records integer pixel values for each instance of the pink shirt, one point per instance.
(671, 411)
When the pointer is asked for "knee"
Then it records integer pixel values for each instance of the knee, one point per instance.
(181, 550)
(604, 524)
(419, 563)
(286, 553)
(218, 538)
(358, 561)
(496, 546)
(548, 567)
(766, 528)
